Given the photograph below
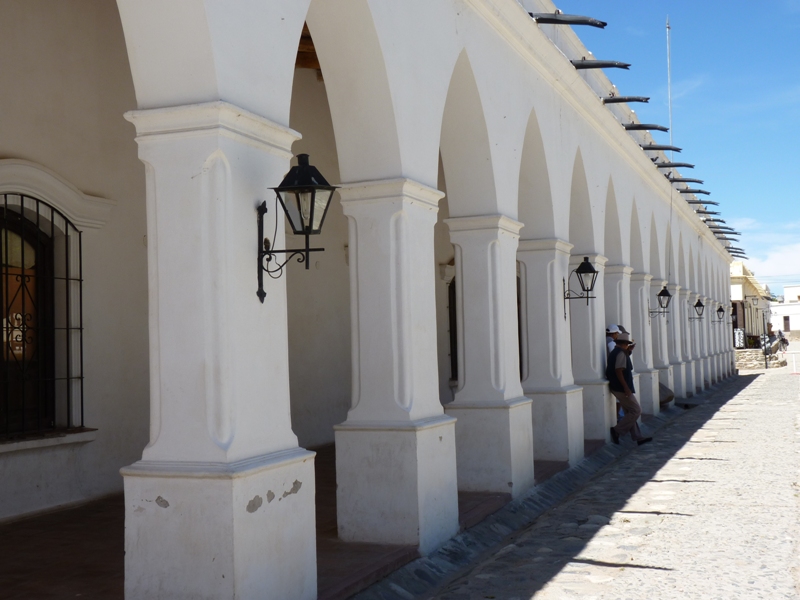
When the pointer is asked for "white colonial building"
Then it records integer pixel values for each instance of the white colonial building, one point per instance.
(431, 340)
(785, 316)
(750, 304)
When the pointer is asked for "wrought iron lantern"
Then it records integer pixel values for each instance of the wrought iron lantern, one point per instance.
(587, 277)
(753, 300)
(699, 307)
(304, 195)
(664, 298)
(720, 315)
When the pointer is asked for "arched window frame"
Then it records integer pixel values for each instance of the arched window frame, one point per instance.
(37, 190)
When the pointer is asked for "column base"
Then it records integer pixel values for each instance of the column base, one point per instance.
(494, 445)
(699, 375)
(396, 482)
(558, 424)
(707, 370)
(208, 531)
(666, 377)
(647, 392)
(599, 410)
(679, 377)
(690, 373)
(713, 375)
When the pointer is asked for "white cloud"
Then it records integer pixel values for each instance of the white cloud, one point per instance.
(773, 248)
(780, 260)
(685, 87)
(744, 224)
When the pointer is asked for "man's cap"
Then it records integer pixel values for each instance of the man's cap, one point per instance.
(612, 329)
(624, 338)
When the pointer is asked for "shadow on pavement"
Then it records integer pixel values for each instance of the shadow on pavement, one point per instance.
(604, 495)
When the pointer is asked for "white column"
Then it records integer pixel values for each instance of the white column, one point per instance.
(587, 332)
(222, 503)
(494, 435)
(547, 369)
(704, 373)
(716, 330)
(658, 328)
(675, 324)
(716, 344)
(618, 295)
(395, 453)
(689, 340)
(641, 329)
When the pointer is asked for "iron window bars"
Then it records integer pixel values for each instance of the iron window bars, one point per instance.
(41, 278)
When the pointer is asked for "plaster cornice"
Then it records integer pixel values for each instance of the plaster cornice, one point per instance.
(390, 189)
(484, 222)
(596, 259)
(618, 269)
(19, 176)
(193, 119)
(545, 244)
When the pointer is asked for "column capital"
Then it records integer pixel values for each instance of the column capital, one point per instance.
(595, 259)
(644, 277)
(545, 244)
(483, 223)
(674, 288)
(618, 269)
(390, 189)
(189, 120)
(660, 283)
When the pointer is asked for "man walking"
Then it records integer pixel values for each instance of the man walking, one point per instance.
(619, 373)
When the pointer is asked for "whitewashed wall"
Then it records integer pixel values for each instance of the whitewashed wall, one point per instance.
(64, 84)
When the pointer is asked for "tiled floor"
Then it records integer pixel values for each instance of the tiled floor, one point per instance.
(78, 552)
(75, 553)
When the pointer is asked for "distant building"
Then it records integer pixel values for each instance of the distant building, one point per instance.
(785, 314)
(750, 302)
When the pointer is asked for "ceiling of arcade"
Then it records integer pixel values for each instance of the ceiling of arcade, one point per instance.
(306, 53)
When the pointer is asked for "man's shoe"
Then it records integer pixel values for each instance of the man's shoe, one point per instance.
(614, 436)
(644, 440)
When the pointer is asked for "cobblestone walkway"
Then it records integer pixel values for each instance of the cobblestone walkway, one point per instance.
(708, 510)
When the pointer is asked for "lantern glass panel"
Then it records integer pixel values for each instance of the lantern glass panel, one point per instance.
(587, 281)
(291, 206)
(321, 202)
(305, 199)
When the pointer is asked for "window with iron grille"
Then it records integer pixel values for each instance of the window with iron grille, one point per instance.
(41, 377)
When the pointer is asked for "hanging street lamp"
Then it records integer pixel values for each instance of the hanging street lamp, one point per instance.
(664, 298)
(587, 277)
(699, 307)
(304, 195)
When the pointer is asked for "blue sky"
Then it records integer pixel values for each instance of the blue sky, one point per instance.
(735, 106)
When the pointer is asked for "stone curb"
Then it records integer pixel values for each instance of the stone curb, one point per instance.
(429, 573)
